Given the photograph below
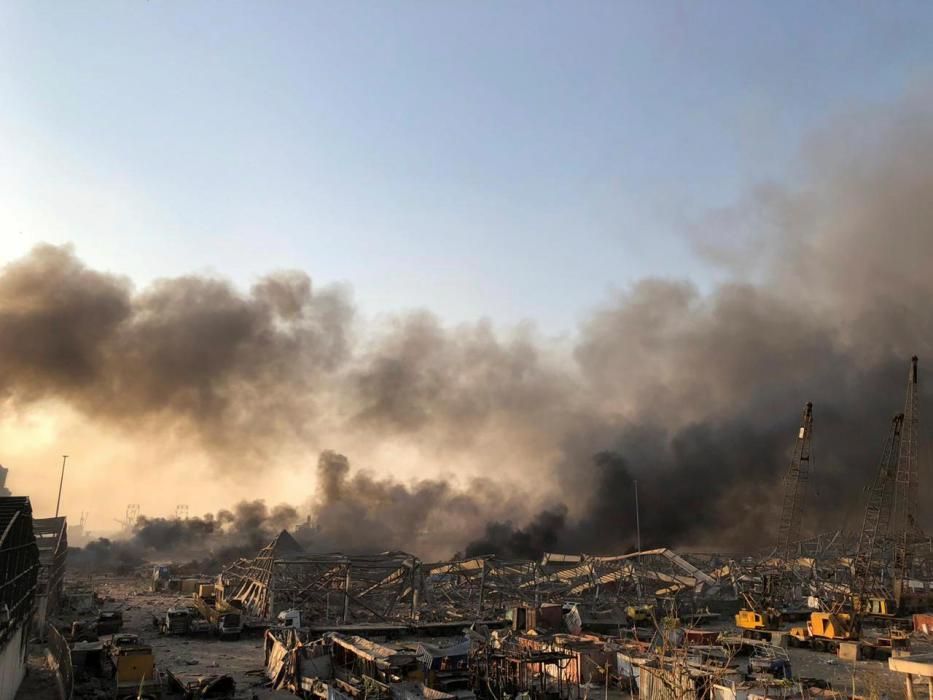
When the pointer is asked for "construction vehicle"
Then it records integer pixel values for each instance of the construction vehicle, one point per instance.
(754, 620)
(761, 614)
(842, 620)
(906, 506)
(161, 573)
(109, 621)
(225, 620)
(184, 619)
(134, 672)
(640, 614)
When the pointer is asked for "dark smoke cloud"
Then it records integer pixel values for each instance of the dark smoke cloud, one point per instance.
(357, 512)
(694, 394)
(503, 539)
(237, 371)
(206, 542)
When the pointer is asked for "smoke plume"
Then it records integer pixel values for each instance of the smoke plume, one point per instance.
(207, 542)
(694, 393)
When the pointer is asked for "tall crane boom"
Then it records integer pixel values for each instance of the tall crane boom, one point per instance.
(795, 481)
(877, 513)
(905, 486)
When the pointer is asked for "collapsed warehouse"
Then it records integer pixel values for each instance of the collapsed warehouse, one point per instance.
(398, 589)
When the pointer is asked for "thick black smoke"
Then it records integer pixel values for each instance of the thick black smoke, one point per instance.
(694, 394)
(357, 512)
(542, 534)
(208, 542)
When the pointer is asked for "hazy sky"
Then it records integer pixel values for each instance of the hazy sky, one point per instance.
(506, 159)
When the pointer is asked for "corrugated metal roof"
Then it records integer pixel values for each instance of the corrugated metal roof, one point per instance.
(9, 507)
(48, 532)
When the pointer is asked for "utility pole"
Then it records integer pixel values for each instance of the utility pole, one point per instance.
(637, 544)
(60, 483)
(637, 519)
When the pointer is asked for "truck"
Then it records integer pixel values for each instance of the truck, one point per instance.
(109, 621)
(183, 620)
(225, 621)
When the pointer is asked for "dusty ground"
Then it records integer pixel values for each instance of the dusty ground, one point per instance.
(191, 656)
(40, 683)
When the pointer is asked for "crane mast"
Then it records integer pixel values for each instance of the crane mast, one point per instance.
(877, 515)
(795, 481)
(905, 483)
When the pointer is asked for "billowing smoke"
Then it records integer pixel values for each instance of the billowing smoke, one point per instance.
(543, 534)
(189, 353)
(357, 512)
(693, 393)
(206, 542)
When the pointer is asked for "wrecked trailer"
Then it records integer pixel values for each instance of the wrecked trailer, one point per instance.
(337, 665)
(185, 686)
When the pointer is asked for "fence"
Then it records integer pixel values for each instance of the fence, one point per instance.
(60, 662)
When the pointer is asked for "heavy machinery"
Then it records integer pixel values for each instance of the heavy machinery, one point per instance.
(640, 614)
(762, 611)
(225, 621)
(842, 620)
(183, 619)
(134, 671)
(905, 494)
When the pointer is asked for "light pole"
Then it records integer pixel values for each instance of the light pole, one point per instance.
(637, 519)
(60, 482)
(637, 543)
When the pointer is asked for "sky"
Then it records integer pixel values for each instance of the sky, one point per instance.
(511, 160)
(516, 161)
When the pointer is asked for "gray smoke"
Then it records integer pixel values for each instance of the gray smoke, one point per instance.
(206, 542)
(694, 394)
(190, 353)
(359, 512)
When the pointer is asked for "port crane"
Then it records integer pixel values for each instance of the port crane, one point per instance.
(762, 611)
(905, 488)
(842, 620)
(889, 518)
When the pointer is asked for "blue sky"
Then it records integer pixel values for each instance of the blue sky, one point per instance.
(515, 160)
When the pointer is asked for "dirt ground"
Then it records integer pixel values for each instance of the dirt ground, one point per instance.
(40, 682)
(188, 656)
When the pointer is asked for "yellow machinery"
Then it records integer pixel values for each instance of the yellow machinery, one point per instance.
(833, 626)
(876, 606)
(135, 674)
(761, 616)
(637, 614)
(753, 620)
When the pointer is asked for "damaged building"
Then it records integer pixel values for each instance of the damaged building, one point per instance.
(52, 541)
(396, 588)
(19, 562)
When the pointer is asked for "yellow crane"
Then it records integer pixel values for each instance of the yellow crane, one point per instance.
(763, 613)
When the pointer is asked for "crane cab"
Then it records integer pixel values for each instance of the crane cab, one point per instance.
(835, 626)
(876, 606)
(755, 620)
